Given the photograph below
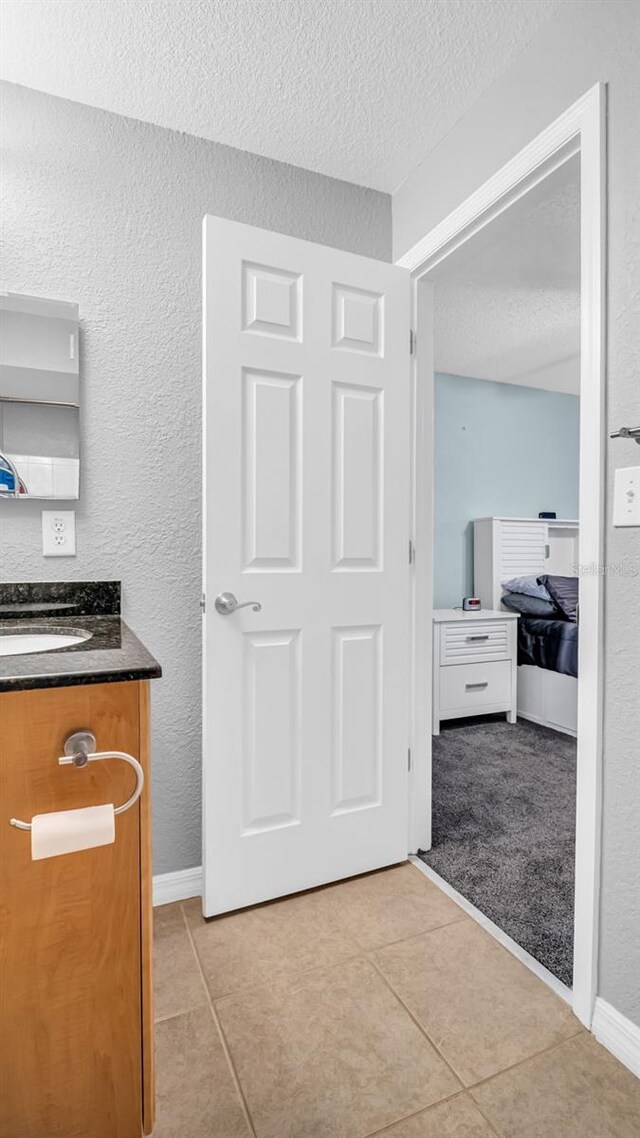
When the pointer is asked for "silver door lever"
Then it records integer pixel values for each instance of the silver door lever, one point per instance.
(626, 433)
(226, 603)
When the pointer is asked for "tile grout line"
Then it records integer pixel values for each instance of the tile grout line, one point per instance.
(175, 1015)
(412, 936)
(286, 980)
(425, 1110)
(420, 1027)
(221, 1035)
(387, 944)
(480, 1082)
(526, 1059)
(483, 1114)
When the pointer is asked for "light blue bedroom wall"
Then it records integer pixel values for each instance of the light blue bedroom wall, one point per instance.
(500, 450)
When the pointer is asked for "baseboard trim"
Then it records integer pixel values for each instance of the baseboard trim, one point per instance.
(618, 1034)
(179, 886)
(545, 723)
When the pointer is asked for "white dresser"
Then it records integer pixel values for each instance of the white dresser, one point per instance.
(475, 657)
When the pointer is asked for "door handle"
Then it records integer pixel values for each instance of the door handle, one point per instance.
(626, 433)
(226, 603)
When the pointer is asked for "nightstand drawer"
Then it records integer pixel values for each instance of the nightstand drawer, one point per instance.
(465, 642)
(475, 686)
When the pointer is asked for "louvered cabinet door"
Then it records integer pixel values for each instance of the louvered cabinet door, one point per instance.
(523, 548)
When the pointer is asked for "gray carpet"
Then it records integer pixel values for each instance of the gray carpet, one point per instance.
(504, 803)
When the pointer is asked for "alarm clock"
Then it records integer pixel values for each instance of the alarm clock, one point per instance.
(471, 604)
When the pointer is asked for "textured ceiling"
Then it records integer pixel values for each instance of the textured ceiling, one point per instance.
(508, 302)
(357, 89)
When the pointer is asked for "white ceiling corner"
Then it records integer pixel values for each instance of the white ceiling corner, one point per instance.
(356, 89)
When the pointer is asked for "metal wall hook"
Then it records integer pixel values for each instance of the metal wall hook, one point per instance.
(626, 433)
(79, 746)
(77, 753)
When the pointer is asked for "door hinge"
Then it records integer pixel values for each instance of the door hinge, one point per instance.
(413, 340)
(409, 759)
(203, 602)
(412, 552)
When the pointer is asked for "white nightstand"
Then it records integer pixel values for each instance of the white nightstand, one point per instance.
(475, 660)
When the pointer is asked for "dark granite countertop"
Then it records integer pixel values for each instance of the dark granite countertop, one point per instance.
(113, 653)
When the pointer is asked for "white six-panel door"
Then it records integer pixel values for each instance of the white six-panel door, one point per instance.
(306, 492)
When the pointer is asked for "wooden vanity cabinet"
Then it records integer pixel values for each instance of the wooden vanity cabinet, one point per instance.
(76, 1042)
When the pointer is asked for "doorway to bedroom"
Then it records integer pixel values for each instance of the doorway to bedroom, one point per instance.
(506, 336)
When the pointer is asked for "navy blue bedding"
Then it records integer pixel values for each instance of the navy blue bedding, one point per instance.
(550, 644)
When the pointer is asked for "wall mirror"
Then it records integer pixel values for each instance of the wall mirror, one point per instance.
(39, 398)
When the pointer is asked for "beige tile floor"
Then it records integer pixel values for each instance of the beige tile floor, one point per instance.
(372, 1007)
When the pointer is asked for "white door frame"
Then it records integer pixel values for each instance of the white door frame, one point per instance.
(581, 129)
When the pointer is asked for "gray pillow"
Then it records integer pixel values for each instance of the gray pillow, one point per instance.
(531, 606)
(530, 586)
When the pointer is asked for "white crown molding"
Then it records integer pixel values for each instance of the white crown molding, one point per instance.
(618, 1034)
(179, 886)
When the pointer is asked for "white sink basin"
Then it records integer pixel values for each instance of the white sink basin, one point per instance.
(20, 643)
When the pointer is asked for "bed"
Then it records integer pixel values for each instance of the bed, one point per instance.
(507, 548)
(547, 643)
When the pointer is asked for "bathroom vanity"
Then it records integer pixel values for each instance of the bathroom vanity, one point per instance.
(76, 1042)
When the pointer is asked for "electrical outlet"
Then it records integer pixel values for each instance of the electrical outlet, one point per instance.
(626, 497)
(59, 533)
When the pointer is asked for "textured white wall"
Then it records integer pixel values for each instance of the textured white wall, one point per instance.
(107, 211)
(591, 42)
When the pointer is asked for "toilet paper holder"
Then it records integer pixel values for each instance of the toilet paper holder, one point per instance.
(79, 749)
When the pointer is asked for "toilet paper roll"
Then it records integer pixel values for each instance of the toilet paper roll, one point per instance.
(69, 830)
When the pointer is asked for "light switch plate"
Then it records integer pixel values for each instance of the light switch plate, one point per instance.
(59, 533)
(626, 496)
